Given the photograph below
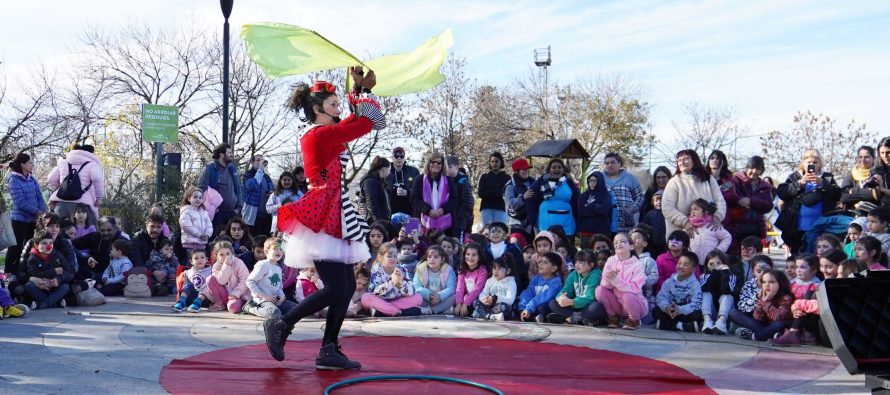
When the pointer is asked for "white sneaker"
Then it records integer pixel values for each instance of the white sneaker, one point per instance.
(33, 305)
(496, 317)
(720, 326)
(450, 311)
(62, 303)
(708, 325)
(539, 318)
(680, 326)
(426, 310)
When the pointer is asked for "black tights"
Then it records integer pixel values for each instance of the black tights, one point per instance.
(339, 285)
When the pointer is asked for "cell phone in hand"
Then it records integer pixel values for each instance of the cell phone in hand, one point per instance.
(811, 168)
(411, 225)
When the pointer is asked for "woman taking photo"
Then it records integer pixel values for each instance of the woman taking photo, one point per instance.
(322, 229)
(690, 182)
(807, 194)
(435, 196)
(553, 201)
(375, 198)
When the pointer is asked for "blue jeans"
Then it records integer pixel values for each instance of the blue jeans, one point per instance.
(45, 300)
(490, 215)
(762, 330)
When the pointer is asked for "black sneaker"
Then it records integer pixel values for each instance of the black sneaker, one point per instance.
(691, 327)
(330, 358)
(276, 331)
(410, 312)
(554, 318)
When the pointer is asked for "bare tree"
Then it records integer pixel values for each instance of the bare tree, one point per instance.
(28, 117)
(837, 145)
(446, 109)
(708, 128)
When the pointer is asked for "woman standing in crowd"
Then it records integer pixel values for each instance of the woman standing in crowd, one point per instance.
(553, 199)
(807, 194)
(491, 191)
(859, 185)
(434, 195)
(27, 205)
(375, 198)
(881, 171)
(91, 175)
(518, 192)
(322, 228)
(718, 167)
(745, 217)
(660, 178)
(626, 189)
(690, 182)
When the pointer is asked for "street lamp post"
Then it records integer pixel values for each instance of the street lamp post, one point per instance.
(226, 6)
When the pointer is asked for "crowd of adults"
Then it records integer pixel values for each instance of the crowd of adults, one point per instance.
(441, 196)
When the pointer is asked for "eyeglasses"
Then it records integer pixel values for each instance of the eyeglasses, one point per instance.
(323, 86)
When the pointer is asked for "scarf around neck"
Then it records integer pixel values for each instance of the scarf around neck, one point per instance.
(443, 222)
(698, 222)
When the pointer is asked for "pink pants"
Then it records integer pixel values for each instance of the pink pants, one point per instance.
(216, 293)
(629, 305)
(390, 307)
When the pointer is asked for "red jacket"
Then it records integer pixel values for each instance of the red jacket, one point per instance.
(320, 208)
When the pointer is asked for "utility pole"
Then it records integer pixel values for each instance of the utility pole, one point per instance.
(542, 60)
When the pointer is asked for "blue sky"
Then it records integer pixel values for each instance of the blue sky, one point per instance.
(766, 59)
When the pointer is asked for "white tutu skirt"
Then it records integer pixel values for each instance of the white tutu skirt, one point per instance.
(303, 247)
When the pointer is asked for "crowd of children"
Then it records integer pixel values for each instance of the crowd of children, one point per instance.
(694, 284)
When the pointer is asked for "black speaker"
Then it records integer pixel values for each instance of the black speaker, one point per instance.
(856, 315)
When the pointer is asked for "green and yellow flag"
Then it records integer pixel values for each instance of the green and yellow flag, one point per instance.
(282, 50)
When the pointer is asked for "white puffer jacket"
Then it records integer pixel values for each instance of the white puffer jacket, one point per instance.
(194, 222)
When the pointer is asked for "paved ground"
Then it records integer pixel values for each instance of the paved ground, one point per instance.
(122, 346)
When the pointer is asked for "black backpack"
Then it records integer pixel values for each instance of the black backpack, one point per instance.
(69, 188)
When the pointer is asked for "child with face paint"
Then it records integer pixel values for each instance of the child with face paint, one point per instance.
(678, 242)
(46, 269)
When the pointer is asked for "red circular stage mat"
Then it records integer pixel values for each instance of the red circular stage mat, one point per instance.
(512, 366)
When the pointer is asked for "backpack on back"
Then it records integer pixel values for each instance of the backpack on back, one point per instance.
(70, 188)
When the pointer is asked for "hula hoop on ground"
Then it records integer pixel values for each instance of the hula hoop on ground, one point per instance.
(358, 380)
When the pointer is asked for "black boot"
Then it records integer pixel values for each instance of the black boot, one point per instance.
(331, 358)
(277, 332)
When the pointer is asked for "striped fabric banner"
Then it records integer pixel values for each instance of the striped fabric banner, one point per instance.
(354, 226)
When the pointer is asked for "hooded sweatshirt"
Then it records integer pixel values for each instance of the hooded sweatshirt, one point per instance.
(630, 279)
(686, 294)
(504, 290)
(594, 207)
(533, 267)
(92, 178)
(581, 288)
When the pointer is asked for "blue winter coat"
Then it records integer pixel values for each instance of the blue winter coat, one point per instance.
(26, 198)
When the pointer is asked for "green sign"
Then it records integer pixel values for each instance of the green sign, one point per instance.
(160, 124)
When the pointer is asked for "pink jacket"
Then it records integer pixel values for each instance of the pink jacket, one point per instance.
(470, 285)
(92, 173)
(707, 240)
(194, 222)
(233, 277)
(630, 279)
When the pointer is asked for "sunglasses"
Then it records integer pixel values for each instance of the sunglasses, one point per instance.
(399, 156)
(323, 86)
(436, 162)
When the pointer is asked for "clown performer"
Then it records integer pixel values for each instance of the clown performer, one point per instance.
(323, 228)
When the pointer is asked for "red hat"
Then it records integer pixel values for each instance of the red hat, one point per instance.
(520, 164)
(398, 149)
